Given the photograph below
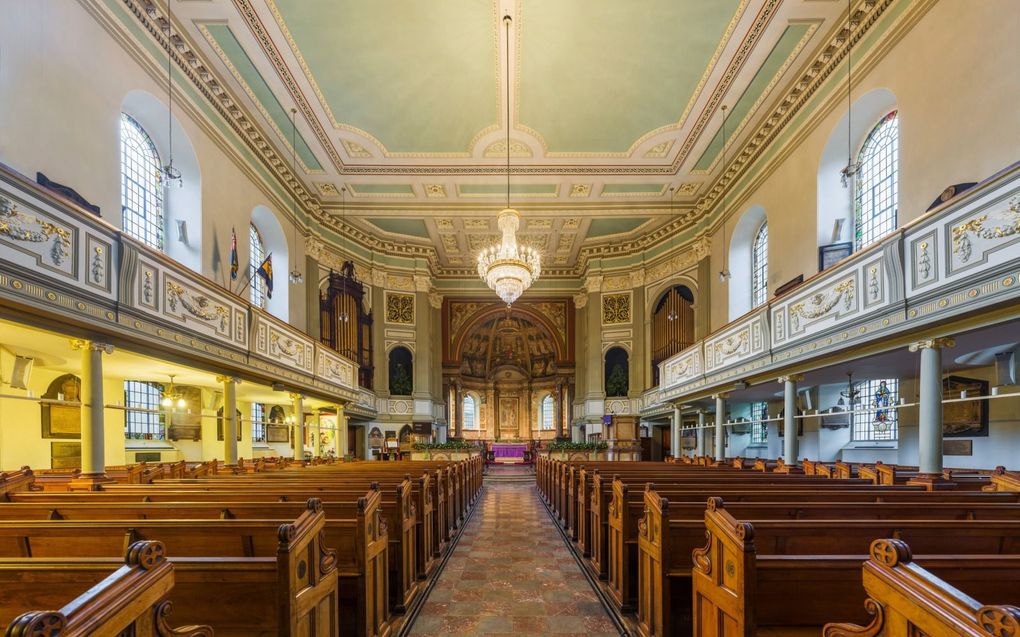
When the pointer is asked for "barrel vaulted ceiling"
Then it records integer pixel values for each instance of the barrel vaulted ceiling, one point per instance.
(613, 102)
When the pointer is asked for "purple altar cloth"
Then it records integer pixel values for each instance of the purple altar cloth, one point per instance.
(509, 450)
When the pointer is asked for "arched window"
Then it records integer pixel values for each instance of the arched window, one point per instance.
(401, 372)
(258, 422)
(257, 249)
(760, 266)
(470, 413)
(741, 265)
(141, 191)
(877, 183)
(545, 416)
(759, 428)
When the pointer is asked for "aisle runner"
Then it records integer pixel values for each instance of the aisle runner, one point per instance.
(511, 573)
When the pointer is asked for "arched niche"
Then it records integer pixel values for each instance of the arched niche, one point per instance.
(835, 202)
(739, 283)
(616, 372)
(183, 204)
(401, 371)
(275, 242)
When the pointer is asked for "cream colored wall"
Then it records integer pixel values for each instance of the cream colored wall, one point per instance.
(63, 79)
(954, 76)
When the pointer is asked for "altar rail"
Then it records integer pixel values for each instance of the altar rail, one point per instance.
(960, 258)
(70, 266)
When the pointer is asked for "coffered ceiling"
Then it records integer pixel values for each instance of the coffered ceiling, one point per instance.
(613, 103)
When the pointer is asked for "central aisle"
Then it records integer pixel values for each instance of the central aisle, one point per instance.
(512, 573)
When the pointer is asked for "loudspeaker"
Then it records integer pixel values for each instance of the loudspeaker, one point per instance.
(182, 231)
(1005, 368)
(22, 372)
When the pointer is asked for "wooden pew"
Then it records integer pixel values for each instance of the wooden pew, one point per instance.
(129, 601)
(741, 578)
(906, 599)
(297, 578)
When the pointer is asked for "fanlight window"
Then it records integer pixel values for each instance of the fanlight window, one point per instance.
(141, 191)
(470, 413)
(877, 182)
(546, 414)
(143, 417)
(257, 249)
(875, 417)
(760, 266)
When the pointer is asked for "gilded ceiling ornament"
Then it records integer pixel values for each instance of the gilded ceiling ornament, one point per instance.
(476, 224)
(400, 309)
(444, 224)
(688, 188)
(450, 242)
(579, 190)
(354, 149)
(435, 191)
(659, 150)
(327, 189)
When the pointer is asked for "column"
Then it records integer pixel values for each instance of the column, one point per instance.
(298, 402)
(342, 431)
(558, 409)
(720, 417)
(229, 419)
(674, 438)
(93, 421)
(316, 435)
(930, 407)
(458, 408)
(790, 418)
(702, 433)
(594, 383)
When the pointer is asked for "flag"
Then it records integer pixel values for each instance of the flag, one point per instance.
(233, 255)
(266, 272)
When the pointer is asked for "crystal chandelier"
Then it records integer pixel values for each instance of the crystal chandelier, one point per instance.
(508, 268)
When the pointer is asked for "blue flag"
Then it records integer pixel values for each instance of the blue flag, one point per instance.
(234, 263)
(266, 272)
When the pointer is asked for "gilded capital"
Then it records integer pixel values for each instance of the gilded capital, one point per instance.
(580, 300)
(593, 284)
(933, 343)
(722, 395)
(435, 299)
(79, 344)
(793, 378)
(296, 396)
(228, 379)
(422, 283)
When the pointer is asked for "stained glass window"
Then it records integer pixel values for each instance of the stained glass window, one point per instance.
(141, 192)
(877, 183)
(143, 417)
(257, 250)
(760, 266)
(759, 429)
(470, 413)
(875, 417)
(258, 422)
(547, 412)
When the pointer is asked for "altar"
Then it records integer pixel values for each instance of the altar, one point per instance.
(509, 452)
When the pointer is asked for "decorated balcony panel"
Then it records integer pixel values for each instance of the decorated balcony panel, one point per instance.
(684, 367)
(622, 406)
(333, 368)
(160, 289)
(280, 344)
(739, 347)
(64, 258)
(965, 255)
(854, 301)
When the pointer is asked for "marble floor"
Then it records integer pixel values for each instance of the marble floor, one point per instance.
(512, 573)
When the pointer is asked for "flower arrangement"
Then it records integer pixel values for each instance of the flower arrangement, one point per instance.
(578, 446)
(452, 445)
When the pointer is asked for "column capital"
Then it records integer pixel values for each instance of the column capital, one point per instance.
(340, 408)
(580, 300)
(296, 395)
(228, 379)
(933, 343)
(793, 378)
(435, 299)
(721, 395)
(79, 344)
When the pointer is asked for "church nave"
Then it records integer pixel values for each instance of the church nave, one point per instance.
(512, 573)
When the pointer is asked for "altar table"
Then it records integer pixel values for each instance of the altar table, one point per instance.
(508, 452)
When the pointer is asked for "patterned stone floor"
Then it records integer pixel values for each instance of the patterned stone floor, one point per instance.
(512, 573)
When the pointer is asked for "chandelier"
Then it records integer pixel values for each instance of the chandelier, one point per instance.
(172, 397)
(508, 268)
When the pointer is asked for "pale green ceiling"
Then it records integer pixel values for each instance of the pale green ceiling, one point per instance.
(499, 190)
(237, 56)
(766, 73)
(418, 76)
(596, 75)
(608, 226)
(410, 227)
